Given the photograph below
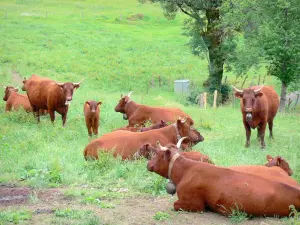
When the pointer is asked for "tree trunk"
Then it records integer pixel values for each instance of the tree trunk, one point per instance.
(213, 38)
(282, 96)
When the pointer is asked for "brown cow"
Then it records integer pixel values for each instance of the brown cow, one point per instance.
(202, 185)
(147, 150)
(279, 162)
(158, 125)
(259, 106)
(139, 114)
(14, 100)
(91, 114)
(44, 93)
(125, 143)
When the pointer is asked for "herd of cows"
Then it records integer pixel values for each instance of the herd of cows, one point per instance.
(266, 190)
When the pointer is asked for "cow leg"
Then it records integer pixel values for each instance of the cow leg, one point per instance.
(89, 128)
(52, 115)
(271, 129)
(262, 129)
(189, 205)
(258, 135)
(95, 127)
(64, 118)
(248, 134)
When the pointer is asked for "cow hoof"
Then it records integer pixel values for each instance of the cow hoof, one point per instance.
(263, 147)
(247, 145)
(170, 188)
(125, 117)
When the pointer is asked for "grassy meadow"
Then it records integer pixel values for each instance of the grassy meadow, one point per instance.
(117, 53)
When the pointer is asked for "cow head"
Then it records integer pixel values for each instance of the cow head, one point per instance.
(147, 150)
(159, 163)
(280, 162)
(120, 107)
(185, 130)
(93, 105)
(157, 125)
(248, 97)
(8, 91)
(68, 89)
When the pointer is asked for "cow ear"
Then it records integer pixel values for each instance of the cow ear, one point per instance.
(269, 158)
(76, 85)
(167, 155)
(87, 102)
(259, 94)
(278, 161)
(99, 103)
(238, 94)
(16, 89)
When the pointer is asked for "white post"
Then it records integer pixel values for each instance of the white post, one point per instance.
(215, 98)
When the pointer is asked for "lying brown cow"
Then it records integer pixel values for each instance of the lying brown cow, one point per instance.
(201, 185)
(147, 151)
(125, 143)
(44, 93)
(139, 114)
(158, 125)
(259, 106)
(279, 162)
(91, 114)
(14, 100)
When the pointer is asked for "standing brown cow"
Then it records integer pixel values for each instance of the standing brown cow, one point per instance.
(91, 113)
(44, 93)
(139, 114)
(259, 106)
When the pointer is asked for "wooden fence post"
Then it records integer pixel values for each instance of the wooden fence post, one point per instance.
(215, 98)
(204, 100)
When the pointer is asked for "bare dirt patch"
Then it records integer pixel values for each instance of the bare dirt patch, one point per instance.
(133, 210)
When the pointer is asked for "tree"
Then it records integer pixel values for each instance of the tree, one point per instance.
(207, 36)
(273, 29)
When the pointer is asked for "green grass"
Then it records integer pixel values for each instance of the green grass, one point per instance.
(14, 216)
(160, 216)
(71, 216)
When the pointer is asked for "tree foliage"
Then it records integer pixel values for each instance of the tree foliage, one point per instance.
(271, 31)
(207, 36)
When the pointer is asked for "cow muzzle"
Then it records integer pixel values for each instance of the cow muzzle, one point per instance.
(249, 117)
(67, 102)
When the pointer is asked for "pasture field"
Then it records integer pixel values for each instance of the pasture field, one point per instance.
(106, 42)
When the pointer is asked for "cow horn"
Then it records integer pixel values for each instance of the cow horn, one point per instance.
(59, 83)
(129, 93)
(258, 90)
(180, 141)
(2, 85)
(237, 90)
(78, 82)
(158, 145)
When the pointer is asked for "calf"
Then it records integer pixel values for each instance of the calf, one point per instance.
(91, 114)
(158, 125)
(201, 185)
(259, 106)
(138, 114)
(125, 143)
(14, 100)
